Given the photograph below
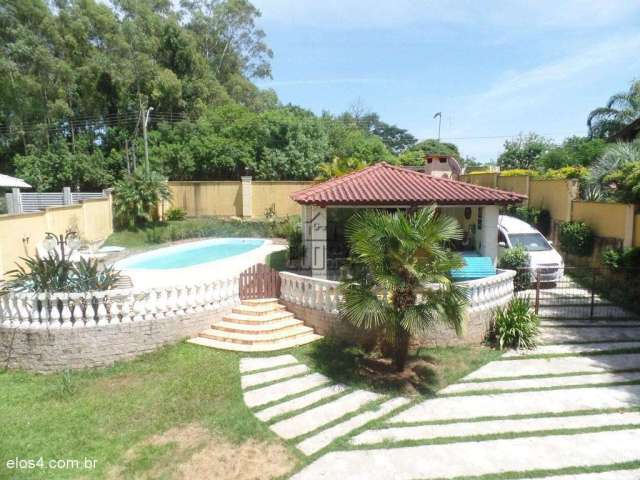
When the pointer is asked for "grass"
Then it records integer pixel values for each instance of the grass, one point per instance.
(439, 366)
(101, 414)
(202, 227)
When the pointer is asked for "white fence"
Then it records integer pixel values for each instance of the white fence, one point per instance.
(80, 310)
(318, 294)
(19, 202)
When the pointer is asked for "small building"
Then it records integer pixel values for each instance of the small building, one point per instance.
(327, 206)
(443, 166)
(628, 133)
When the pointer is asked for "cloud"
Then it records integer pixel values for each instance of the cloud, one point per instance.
(503, 14)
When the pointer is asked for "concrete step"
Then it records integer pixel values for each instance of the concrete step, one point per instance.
(258, 309)
(256, 338)
(266, 347)
(260, 301)
(256, 329)
(272, 317)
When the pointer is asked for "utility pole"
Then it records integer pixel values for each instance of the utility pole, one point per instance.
(145, 121)
(439, 115)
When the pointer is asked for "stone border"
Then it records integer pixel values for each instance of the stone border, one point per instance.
(55, 349)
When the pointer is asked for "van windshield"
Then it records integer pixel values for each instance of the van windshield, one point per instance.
(532, 242)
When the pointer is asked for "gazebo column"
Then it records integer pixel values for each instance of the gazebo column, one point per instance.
(489, 235)
(318, 243)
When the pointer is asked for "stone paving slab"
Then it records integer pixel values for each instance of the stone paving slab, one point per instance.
(320, 440)
(277, 391)
(521, 403)
(549, 382)
(258, 363)
(477, 458)
(467, 429)
(572, 348)
(559, 365)
(586, 334)
(615, 475)
(599, 323)
(299, 402)
(272, 375)
(314, 418)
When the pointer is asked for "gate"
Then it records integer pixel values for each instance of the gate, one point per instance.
(259, 281)
(581, 292)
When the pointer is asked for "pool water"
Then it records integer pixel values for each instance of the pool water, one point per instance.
(475, 267)
(191, 254)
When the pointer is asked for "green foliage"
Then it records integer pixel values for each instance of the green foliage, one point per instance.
(175, 214)
(397, 253)
(54, 273)
(576, 238)
(136, 197)
(564, 173)
(154, 236)
(530, 215)
(516, 325)
(620, 110)
(416, 154)
(338, 167)
(621, 258)
(524, 152)
(627, 183)
(518, 172)
(575, 151)
(277, 260)
(517, 258)
(615, 157)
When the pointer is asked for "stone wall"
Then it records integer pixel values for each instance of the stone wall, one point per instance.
(477, 326)
(55, 349)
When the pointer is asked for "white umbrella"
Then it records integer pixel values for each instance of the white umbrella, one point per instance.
(12, 182)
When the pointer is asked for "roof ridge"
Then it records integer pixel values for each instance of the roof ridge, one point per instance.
(332, 182)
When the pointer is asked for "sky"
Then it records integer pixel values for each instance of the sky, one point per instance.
(494, 68)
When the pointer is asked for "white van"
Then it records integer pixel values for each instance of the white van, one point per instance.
(513, 232)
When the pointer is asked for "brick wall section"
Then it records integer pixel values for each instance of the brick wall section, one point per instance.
(57, 349)
(476, 327)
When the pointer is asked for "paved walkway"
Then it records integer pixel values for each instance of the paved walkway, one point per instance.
(569, 410)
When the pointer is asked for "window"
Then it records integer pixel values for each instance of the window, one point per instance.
(501, 237)
(480, 218)
(532, 242)
(443, 159)
(429, 160)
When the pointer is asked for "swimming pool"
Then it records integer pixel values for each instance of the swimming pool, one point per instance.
(475, 267)
(191, 254)
(195, 261)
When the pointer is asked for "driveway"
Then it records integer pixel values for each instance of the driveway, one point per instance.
(569, 410)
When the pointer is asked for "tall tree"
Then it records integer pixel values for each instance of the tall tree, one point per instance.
(524, 151)
(620, 110)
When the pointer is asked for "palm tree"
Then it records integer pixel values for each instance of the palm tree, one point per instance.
(615, 157)
(621, 109)
(393, 257)
(338, 167)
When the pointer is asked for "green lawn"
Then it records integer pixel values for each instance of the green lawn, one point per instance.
(199, 228)
(429, 369)
(176, 413)
(118, 415)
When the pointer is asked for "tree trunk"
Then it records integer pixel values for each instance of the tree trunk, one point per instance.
(401, 350)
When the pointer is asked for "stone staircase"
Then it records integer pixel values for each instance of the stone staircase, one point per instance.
(260, 325)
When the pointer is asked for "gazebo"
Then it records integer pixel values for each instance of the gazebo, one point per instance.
(327, 205)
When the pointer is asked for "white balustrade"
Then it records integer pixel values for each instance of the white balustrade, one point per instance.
(323, 295)
(90, 309)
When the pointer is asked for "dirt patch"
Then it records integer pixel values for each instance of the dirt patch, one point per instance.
(418, 373)
(118, 382)
(192, 452)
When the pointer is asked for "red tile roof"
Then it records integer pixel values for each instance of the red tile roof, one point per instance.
(383, 184)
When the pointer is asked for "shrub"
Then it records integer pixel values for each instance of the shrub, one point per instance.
(526, 214)
(621, 258)
(135, 198)
(517, 258)
(57, 274)
(175, 214)
(576, 238)
(516, 325)
(568, 172)
(154, 236)
(517, 172)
